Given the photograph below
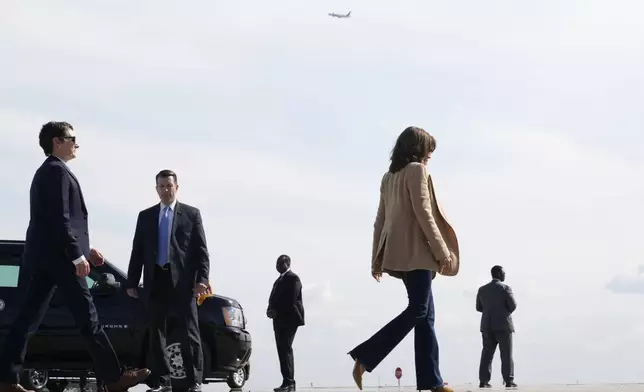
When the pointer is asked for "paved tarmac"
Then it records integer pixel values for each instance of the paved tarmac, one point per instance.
(474, 388)
(457, 388)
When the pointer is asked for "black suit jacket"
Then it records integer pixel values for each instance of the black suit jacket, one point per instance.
(496, 303)
(189, 259)
(286, 301)
(57, 233)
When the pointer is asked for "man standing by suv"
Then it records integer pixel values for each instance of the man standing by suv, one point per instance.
(56, 254)
(170, 247)
(496, 303)
(287, 311)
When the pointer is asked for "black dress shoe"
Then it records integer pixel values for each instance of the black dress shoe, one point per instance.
(160, 388)
(510, 384)
(195, 388)
(285, 388)
(485, 385)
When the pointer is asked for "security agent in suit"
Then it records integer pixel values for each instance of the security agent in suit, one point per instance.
(170, 247)
(56, 255)
(496, 303)
(286, 309)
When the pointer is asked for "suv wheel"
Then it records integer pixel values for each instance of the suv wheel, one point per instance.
(34, 379)
(237, 379)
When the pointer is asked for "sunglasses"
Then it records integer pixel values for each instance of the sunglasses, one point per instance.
(70, 138)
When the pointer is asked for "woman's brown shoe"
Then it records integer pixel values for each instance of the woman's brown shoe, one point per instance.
(358, 371)
(444, 388)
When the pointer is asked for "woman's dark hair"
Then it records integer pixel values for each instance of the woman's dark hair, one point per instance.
(413, 145)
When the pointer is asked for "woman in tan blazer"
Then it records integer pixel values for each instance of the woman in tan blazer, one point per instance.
(412, 241)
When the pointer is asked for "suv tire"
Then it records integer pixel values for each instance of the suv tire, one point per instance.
(34, 379)
(236, 380)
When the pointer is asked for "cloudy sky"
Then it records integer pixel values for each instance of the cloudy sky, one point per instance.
(279, 120)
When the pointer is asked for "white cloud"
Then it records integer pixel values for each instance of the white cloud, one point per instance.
(129, 36)
(630, 282)
(209, 171)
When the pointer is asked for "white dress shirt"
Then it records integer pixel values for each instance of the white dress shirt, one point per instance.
(283, 273)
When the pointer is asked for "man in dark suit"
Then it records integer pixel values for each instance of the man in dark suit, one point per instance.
(496, 303)
(286, 309)
(170, 247)
(56, 254)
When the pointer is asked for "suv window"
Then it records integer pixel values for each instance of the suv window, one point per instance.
(9, 275)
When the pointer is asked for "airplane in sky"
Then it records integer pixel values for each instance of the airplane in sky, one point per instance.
(340, 16)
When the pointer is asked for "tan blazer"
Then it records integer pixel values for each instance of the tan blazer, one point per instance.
(411, 231)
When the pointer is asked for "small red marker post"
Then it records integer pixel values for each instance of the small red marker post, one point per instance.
(398, 375)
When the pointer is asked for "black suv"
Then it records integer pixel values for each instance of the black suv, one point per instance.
(57, 355)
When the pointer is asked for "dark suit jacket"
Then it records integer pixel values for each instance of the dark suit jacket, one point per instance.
(189, 259)
(286, 301)
(496, 301)
(57, 233)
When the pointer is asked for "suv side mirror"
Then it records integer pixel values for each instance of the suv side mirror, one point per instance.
(108, 280)
(107, 284)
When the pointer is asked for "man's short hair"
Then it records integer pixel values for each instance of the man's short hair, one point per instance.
(285, 259)
(496, 270)
(49, 131)
(165, 174)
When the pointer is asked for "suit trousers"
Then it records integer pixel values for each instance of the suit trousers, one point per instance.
(284, 336)
(40, 287)
(490, 340)
(182, 322)
(419, 316)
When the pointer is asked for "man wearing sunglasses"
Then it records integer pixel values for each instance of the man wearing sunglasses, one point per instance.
(57, 256)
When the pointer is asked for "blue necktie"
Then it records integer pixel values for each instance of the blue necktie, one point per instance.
(164, 234)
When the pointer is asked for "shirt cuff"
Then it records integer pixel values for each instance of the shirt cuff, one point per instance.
(79, 260)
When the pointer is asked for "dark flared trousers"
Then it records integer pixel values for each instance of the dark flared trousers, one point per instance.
(419, 316)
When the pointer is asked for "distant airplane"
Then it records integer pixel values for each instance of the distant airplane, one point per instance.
(340, 16)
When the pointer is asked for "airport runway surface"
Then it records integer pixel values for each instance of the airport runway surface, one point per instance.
(473, 388)
(457, 388)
